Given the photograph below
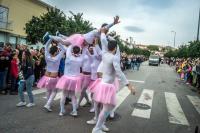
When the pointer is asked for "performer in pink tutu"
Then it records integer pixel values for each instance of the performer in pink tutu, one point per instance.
(99, 69)
(90, 55)
(70, 82)
(105, 91)
(49, 80)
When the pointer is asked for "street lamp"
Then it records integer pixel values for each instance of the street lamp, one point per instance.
(174, 37)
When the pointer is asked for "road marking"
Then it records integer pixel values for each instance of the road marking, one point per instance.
(38, 91)
(175, 112)
(145, 98)
(121, 96)
(137, 81)
(59, 94)
(195, 101)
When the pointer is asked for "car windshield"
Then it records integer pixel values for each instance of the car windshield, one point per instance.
(154, 57)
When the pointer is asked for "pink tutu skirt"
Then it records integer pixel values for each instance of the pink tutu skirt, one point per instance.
(69, 83)
(86, 79)
(104, 93)
(76, 39)
(94, 83)
(47, 83)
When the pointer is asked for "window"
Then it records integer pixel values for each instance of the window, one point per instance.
(12, 40)
(22, 41)
(3, 16)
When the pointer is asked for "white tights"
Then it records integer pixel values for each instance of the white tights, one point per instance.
(63, 98)
(103, 115)
(50, 96)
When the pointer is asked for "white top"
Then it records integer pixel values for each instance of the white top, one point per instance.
(72, 63)
(88, 59)
(110, 64)
(53, 62)
(95, 62)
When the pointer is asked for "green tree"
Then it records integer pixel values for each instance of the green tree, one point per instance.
(182, 52)
(76, 24)
(153, 47)
(194, 49)
(55, 20)
(52, 21)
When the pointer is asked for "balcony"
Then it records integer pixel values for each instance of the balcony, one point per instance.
(6, 26)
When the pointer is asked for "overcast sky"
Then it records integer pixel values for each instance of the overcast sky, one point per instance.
(147, 21)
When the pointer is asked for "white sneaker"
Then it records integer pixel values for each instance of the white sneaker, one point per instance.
(97, 130)
(74, 113)
(30, 105)
(105, 129)
(20, 104)
(92, 122)
(48, 108)
(61, 113)
(92, 110)
(112, 114)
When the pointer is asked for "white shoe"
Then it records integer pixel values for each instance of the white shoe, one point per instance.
(20, 104)
(30, 105)
(61, 113)
(92, 110)
(112, 114)
(97, 130)
(92, 122)
(48, 108)
(74, 113)
(105, 129)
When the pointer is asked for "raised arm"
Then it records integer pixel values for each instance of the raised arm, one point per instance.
(104, 41)
(117, 55)
(62, 51)
(69, 51)
(47, 54)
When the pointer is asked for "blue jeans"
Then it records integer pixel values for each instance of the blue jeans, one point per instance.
(132, 65)
(29, 83)
(2, 76)
(138, 65)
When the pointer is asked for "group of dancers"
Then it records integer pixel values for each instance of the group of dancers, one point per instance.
(92, 64)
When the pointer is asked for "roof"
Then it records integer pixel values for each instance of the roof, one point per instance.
(43, 3)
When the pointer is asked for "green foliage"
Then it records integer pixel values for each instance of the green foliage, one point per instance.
(55, 20)
(192, 50)
(153, 47)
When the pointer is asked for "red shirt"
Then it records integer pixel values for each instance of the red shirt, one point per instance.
(14, 68)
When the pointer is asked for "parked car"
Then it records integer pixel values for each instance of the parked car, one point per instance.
(153, 60)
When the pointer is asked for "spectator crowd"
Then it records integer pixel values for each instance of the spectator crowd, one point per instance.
(11, 60)
(188, 70)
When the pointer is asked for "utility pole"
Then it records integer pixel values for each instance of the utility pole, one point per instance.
(198, 26)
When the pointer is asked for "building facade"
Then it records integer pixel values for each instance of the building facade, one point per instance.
(14, 14)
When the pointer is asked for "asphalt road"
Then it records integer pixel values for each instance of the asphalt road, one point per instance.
(162, 104)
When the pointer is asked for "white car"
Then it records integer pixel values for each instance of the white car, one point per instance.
(153, 60)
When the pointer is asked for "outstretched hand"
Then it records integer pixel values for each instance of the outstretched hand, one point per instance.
(132, 89)
(116, 20)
